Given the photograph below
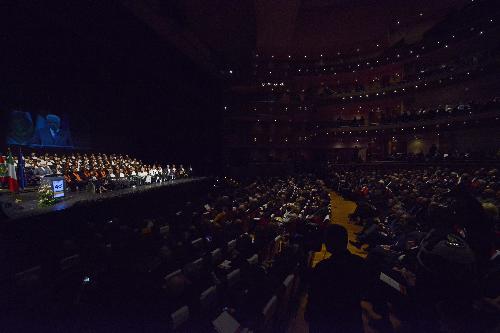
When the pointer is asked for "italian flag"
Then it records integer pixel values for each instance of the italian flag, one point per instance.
(12, 176)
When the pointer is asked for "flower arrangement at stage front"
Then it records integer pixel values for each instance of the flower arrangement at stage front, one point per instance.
(45, 196)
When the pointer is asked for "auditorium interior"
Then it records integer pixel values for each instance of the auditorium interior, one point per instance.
(250, 166)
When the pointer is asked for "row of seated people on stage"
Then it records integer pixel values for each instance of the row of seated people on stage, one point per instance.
(102, 171)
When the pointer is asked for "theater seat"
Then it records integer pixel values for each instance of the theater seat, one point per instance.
(193, 269)
(208, 299)
(231, 246)
(285, 295)
(28, 287)
(233, 277)
(268, 311)
(28, 278)
(179, 318)
(69, 263)
(216, 256)
(164, 229)
(171, 275)
(198, 247)
(253, 260)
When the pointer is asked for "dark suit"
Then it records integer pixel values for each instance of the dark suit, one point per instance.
(336, 287)
(44, 137)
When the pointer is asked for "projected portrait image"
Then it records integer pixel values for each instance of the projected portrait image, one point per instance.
(47, 131)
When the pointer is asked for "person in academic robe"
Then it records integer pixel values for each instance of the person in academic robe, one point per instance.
(79, 180)
(148, 176)
(173, 172)
(159, 174)
(69, 181)
(182, 172)
(86, 174)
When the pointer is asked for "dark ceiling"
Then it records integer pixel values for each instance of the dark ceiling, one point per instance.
(229, 32)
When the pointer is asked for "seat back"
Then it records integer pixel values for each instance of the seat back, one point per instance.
(164, 229)
(268, 312)
(208, 299)
(197, 243)
(284, 300)
(198, 246)
(216, 256)
(193, 269)
(253, 260)
(171, 275)
(28, 278)
(231, 246)
(70, 262)
(179, 317)
(288, 284)
(233, 277)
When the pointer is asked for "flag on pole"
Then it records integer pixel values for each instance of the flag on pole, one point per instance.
(21, 178)
(3, 170)
(12, 177)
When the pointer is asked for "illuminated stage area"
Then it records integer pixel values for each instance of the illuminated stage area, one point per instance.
(25, 205)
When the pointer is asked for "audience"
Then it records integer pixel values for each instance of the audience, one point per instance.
(434, 231)
(244, 239)
(238, 248)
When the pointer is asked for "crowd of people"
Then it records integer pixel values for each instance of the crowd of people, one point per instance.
(102, 171)
(395, 83)
(441, 111)
(238, 247)
(242, 246)
(436, 232)
(388, 116)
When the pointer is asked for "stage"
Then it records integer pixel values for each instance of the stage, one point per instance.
(25, 204)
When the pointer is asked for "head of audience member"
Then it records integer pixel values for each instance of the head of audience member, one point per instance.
(336, 238)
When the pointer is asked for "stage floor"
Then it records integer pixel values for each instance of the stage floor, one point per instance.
(25, 204)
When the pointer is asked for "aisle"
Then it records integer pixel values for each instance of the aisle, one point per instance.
(341, 209)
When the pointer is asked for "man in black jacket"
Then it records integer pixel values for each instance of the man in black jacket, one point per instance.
(336, 287)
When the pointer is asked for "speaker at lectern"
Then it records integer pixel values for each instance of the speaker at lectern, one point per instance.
(57, 183)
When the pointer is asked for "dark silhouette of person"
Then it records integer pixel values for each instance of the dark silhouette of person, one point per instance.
(336, 288)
